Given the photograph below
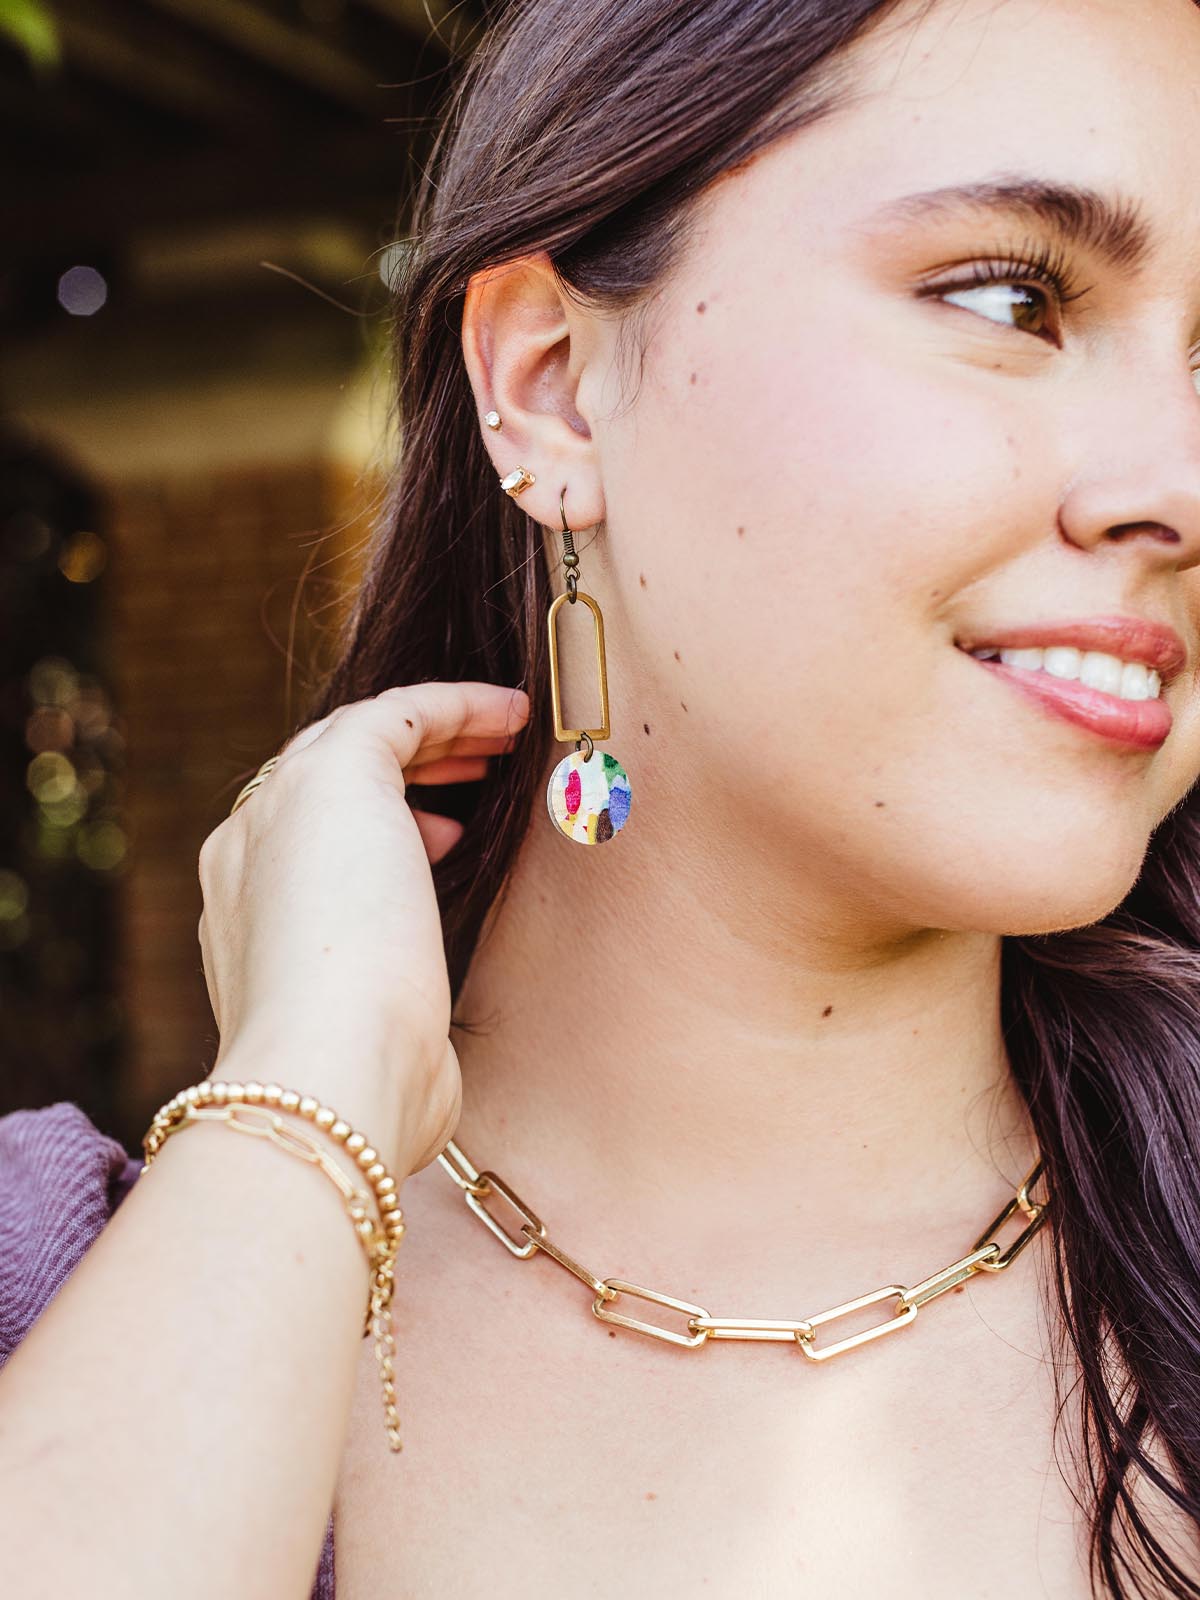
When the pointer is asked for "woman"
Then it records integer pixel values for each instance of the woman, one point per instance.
(855, 345)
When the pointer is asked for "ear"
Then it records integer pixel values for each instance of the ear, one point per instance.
(531, 354)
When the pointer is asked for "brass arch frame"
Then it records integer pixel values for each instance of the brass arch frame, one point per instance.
(560, 732)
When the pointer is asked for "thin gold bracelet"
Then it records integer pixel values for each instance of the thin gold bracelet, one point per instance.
(254, 1108)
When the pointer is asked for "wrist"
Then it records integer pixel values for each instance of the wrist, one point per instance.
(365, 1096)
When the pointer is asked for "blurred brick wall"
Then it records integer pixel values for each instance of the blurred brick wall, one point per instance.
(206, 596)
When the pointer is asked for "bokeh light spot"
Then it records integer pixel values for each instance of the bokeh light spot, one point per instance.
(82, 557)
(50, 777)
(53, 681)
(101, 845)
(392, 261)
(14, 896)
(49, 728)
(82, 291)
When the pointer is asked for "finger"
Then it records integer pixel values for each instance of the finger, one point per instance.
(468, 745)
(439, 834)
(450, 769)
(412, 716)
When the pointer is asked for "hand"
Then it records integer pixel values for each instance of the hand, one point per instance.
(320, 934)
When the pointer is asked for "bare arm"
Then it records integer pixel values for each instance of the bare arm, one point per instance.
(174, 1420)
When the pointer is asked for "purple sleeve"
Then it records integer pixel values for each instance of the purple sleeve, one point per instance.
(61, 1179)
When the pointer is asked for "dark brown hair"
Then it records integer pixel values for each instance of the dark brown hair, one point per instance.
(587, 131)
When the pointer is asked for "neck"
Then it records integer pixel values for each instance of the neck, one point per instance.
(666, 1068)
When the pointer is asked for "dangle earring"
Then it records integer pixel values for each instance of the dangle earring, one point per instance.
(587, 794)
(588, 799)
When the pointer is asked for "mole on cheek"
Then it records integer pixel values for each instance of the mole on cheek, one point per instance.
(642, 579)
(828, 1011)
(702, 307)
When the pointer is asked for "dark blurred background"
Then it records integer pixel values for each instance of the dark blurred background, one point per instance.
(202, 201)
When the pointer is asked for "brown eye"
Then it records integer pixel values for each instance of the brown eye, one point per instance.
(1016, 305)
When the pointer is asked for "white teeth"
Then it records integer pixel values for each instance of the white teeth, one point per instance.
(1060, 661)
(1029, 660)
(1099, 671)
(1128, 680)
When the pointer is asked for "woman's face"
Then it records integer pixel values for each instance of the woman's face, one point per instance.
(846, 461)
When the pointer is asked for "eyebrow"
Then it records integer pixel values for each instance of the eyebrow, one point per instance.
(1113, 227)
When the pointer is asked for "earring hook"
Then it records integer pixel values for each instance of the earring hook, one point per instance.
(570, 559)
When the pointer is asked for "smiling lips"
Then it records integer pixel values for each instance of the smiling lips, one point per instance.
(1103, 674)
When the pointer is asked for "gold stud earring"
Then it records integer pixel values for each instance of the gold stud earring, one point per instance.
(492, 418)
(588, 800)
(517, 481)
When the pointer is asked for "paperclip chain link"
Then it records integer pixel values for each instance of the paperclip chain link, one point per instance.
(699, 1326)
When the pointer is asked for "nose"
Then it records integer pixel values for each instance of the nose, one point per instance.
(1138, 487)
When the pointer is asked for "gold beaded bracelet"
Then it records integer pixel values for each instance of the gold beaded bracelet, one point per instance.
(254, 1108)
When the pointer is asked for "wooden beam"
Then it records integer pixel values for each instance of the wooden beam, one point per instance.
(47, 210)
(429, 21)
(301, 57)
(146, 75)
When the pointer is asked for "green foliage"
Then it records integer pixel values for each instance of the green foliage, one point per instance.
(30, 26)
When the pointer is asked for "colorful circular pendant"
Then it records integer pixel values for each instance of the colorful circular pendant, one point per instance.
(589, 799)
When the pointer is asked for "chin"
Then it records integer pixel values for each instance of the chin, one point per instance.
(1053, 903)
(1034, 886)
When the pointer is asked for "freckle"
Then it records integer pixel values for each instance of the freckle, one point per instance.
(646, 727)
(677, 655)
(1016, 472)
(935, 594)
(692, 379)
(702, 307)
(879, 804)
(741, 533)
(642, 579)
(650, 1495)
(300, 1257)
(684, 707)
(828, 1011)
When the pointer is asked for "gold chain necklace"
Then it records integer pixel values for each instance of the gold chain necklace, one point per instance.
(984, 1256)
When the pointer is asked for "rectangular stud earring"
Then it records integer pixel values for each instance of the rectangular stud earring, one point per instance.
(516, 481)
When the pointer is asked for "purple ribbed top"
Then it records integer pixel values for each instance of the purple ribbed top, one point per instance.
(61, 1179)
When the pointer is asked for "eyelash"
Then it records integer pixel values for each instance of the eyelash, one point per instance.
(1048, 268)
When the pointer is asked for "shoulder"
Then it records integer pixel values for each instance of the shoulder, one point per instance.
(61, 1179)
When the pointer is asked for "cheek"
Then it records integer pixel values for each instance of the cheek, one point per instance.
(794, 535)
(816, 494)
